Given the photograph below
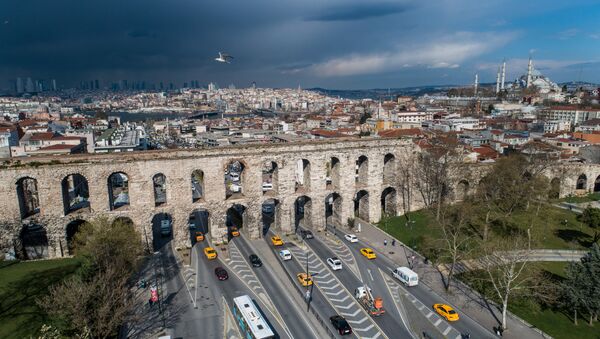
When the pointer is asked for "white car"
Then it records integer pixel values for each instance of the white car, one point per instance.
(235, 188)
(351, 237)
(334, 263)
(285, 255)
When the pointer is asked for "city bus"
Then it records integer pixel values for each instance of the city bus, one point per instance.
(251, 323)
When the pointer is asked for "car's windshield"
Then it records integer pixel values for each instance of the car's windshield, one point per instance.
(451, 312)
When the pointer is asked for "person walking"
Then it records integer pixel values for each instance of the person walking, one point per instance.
(393, 242)
(384, 242)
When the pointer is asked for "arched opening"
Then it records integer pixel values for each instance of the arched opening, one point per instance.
(388, 201)
(235, 218)
(162, 230)
(302, 212)
(27, 192)
(270, 178)
(72, 228)
(302, 176)
(554, 192)
(362, 171)
(333, 174)
(234, 180)
(361, 205)
(597, 184)
(34, 241)
(197, 185)
(389, 168)
(581, 182)
(75, 193)
(462, 190)
(159, 182)
(270, 215)
(118, 190)
(333, 209)
(199, 221)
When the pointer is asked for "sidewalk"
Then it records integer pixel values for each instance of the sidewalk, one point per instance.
(460, 295)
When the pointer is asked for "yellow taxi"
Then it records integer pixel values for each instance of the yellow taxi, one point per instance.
(235, 232)
(304, 279)
(199, 236)
(276, 240)
(446, 312)
(210, 253)
(368, 253)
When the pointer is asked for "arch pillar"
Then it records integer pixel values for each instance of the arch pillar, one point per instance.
(285, 209)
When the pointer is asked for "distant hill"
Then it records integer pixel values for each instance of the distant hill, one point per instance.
(382, 93)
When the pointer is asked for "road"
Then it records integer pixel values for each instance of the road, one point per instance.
(421, 292)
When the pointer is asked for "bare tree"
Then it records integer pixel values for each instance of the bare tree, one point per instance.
(504, 263)
(404, 178)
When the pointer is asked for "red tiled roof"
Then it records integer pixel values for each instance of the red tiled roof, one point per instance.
(398, 132)
(327, 133)
(57, 147)
(42, 136)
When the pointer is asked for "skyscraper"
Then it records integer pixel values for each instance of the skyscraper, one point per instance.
(20, 86)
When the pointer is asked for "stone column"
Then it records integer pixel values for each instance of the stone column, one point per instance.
(285, 210)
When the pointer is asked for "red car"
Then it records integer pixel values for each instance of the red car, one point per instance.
(221, 273)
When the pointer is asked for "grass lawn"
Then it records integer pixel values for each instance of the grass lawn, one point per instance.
(21, 284)
(414, 233)
(585, 198)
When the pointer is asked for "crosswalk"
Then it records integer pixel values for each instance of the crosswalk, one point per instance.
(443, 327)
(340, 298)
(342, 252)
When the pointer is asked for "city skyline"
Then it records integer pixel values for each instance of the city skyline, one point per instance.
(345, 45)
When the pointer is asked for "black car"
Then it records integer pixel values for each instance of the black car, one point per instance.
(341, 324)
(255, 260)
(306, 234)
(221, 273)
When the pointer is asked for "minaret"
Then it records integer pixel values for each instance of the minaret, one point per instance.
(503, 76)
(475, 87)
(529, 72)
(498, 81)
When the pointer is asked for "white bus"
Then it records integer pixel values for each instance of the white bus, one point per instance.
(251, 323)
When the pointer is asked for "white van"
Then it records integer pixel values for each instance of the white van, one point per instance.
(407, 276)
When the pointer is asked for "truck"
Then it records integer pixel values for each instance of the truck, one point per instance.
(373, 306)
(407, 276)
(165, 228)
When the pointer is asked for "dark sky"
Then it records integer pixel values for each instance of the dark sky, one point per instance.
(327, 43)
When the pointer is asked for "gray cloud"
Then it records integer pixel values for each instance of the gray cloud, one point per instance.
(352, 12)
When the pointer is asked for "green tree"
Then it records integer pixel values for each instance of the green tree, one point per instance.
(364, 118)
(591, 217)
(581, 288)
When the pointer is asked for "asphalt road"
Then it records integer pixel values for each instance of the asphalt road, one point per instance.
(421, 292)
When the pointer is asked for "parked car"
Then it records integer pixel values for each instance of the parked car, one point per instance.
(210, 253)
(267, 186)
(334, 263)
(351, 237)
(304, 279)
(368, 253)
(307, 234)
(221, 273)
(276, 240)
(235, 188)
(255, 260)
(285, 255)
(340, 324)
(268, 208)
(446, 311)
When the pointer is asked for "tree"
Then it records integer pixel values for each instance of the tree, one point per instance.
(591, 217)
(363, 118)
(581, 288)
(504, 262)
(98, 298)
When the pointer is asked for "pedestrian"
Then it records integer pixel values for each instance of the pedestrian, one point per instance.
(150, 302)
(393, 242)
(384, 242)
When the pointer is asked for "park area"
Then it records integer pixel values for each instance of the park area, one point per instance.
(21, 285)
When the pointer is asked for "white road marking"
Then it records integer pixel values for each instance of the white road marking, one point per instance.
(370, 274)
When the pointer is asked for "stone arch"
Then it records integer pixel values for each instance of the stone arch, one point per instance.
(389, 168)
(197, 185)
(332, 179)
(236, 217)
(75, 192)
(159, 184)
(362, 171)
(361, 205)
(581, 183)
(235, 173)
(389, 201)
(34, 241)
(118, 190)
(333, 209)
(270, 178)
(271, 215)
(28, 195)
(462, 190)
(162, 230)
(597, 184)
(554, 192)
(302, 212)
(302, 176)
(70, 231)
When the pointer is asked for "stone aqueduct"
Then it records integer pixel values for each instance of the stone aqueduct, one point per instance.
(37, 192)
